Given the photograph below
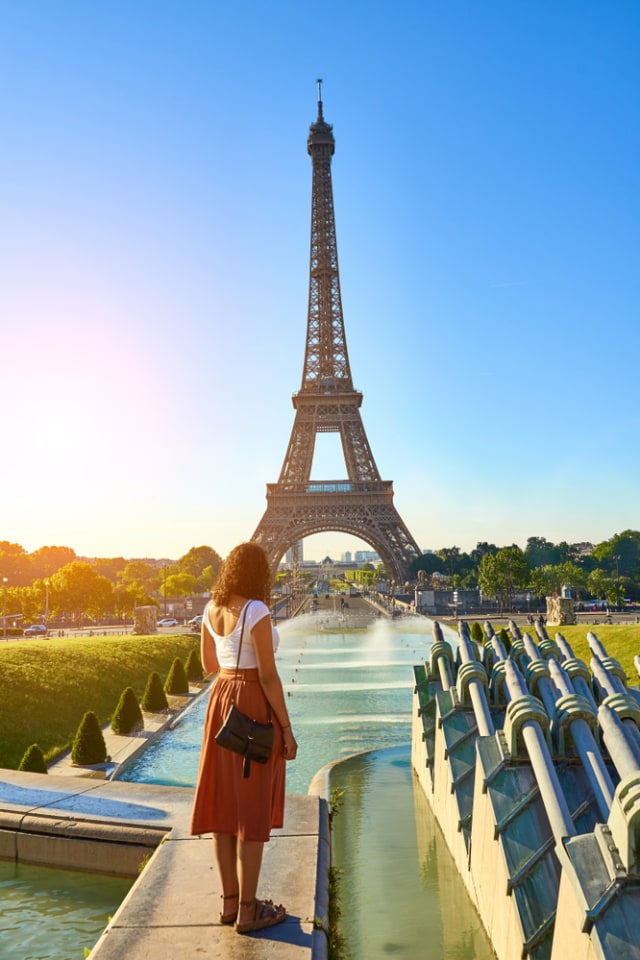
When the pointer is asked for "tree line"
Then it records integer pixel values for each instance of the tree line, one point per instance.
(54, 582)
(608, 571)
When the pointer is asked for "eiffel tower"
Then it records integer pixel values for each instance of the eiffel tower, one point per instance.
(362, 504)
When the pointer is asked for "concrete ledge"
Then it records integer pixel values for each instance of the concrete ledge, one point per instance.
(172, 909)
(84, 825)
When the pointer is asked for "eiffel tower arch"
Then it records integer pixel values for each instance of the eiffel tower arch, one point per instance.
(361, 504)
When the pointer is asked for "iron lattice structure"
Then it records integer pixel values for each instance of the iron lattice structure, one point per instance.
(362, 505)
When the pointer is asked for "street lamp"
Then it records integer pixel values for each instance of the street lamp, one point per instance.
(5, 581)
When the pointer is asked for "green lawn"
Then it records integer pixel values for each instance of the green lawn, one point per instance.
(47, 685)
(621, 641)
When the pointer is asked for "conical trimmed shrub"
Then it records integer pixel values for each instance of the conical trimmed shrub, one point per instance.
(33, 760)
(194, 666)
(89, 746)
(177, 683)
(154, 699)
(505, 636)
(128, 715)
(477, 633)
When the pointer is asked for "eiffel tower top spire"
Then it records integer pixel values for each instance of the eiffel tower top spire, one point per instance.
(326, 364)
(319, 82)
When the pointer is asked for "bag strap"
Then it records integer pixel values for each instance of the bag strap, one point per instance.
(244, 617)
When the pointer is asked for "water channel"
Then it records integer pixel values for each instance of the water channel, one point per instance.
(348, 691)
(52, 914)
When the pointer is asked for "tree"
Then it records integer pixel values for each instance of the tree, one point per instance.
(550, 579)
(138, 573)
(154, 699)
(620, 556)
(179, 585)
(615, 594)
(110, 567)
(430, 563)
(573, 576)
(48, 560)
(193, 666)
(14, 564)
(127, 717)
(89, 746)
(479, 551)
(177, 683)
(78, 589)
(196, 560)
(540, 552)
(126, 598)
(450, 557)
(33, 760)
(598, 584)
(544, 580)
(30, 601)
(500, 575)
(488, 575)
(206, 580)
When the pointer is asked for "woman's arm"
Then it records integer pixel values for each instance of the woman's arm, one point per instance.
(271, 683)
(208, 653)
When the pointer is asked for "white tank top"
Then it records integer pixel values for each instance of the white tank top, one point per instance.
(227, 647)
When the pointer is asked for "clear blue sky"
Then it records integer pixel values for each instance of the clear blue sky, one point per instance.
(155, 206)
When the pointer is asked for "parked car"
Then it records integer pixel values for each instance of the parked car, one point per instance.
(168, 622)
(195, 621)
(35, 630)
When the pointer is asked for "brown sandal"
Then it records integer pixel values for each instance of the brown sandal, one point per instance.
(229, 917)
(266, 914)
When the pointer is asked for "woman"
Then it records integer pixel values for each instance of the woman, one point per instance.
(241, 811)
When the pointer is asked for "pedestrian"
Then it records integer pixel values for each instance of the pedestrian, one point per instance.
(241, 811)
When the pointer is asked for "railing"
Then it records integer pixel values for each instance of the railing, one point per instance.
(312, 487)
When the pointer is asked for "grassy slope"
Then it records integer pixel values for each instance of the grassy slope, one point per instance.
(47, 685)
(621, 641)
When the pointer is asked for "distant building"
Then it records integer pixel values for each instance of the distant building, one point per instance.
(290, 554)
(367, 556)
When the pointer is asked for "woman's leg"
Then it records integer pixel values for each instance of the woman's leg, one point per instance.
(254, 914)
(226, 851)
(249, 863)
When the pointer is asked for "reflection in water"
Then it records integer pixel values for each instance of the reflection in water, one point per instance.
(53, 914)
(399, 888)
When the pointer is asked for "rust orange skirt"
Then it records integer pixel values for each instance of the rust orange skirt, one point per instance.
(225, 801)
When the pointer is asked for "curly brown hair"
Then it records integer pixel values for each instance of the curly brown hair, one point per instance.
(246, 571)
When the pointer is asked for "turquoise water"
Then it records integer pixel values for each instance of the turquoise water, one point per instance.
(52, 914)
(346, 692)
